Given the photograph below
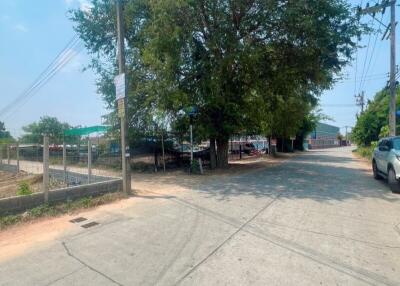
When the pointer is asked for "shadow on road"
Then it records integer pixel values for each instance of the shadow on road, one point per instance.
(318, 175)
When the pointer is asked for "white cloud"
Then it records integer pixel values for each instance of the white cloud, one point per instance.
(84, 5)
(21, 28)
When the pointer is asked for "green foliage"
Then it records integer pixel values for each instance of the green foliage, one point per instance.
(372, 124)
(49, 126)
(24, 189)
(254, 67)
(366, 152)
(5, 136)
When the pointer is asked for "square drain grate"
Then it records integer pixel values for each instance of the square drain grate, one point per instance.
(90, 224)
(78, 219)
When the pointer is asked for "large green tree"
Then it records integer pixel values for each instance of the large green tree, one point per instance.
(47, 125)
(373, 122)
(248, 66)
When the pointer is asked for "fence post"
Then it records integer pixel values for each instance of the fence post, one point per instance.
(65, 162)
(201, 166)
(240, 150)
(8, 155)
(17, 150)
(89, 159)
(163, 150)
(45, 186)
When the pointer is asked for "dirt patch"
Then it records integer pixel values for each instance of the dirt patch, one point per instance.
(9, 183)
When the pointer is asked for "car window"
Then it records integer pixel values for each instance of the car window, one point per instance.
(383, 143)
(396, 144)
(380, 144)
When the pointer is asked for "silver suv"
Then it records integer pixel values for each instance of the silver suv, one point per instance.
(386, 161)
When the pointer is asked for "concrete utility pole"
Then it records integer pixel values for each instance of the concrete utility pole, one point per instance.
(392, 27)
(360, 101)
(392, 109)
(45, 186)
(17, 156)
(122, 103)
(347, 134)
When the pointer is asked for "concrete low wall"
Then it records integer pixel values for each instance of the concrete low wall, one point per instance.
(74, 178)
(23, 203)
(8, 168)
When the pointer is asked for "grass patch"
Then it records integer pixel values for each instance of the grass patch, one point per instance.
(366, 152)
(55, 210)
(24, 189)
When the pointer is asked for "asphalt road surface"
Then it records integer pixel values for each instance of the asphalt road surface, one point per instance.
(317, 219)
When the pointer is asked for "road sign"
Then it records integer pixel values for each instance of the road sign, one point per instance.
(119, 82)
(121, 108)
(292, 138)
(274, 142)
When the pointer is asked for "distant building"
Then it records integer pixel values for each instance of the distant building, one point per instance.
(324, 136)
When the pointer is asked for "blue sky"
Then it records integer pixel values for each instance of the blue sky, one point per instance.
(34, 32)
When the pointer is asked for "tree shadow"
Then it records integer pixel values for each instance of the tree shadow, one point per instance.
(318, 176)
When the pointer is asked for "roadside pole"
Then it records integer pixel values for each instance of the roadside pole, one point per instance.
(64, 161)
(45, 186)
(372, 10)
(392, 112)
(122, 101)
(8, 155)
(17, 156)
(191, 141)
(89, 158)
(163, 150)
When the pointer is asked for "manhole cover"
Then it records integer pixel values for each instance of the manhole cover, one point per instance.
(78, 219)
(90, 224)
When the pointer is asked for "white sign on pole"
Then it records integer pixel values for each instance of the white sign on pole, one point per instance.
(119, 82)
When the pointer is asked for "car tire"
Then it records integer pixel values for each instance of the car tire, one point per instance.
(393, 182)
(375, 171)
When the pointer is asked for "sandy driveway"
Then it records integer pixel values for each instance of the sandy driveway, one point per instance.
(317, 219)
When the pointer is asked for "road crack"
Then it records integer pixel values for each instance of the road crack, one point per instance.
(68, 251)
(227, 240)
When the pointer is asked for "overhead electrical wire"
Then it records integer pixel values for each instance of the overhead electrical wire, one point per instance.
(365, 63)
(72, 48)
(371, 57)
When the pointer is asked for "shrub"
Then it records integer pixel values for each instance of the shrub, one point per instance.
(24, 189)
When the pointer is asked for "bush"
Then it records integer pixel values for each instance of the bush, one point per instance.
(366, 152)
(24, 189)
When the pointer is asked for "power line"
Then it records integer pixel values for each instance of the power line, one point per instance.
(365, 62)
(62, 59)
(372, 55)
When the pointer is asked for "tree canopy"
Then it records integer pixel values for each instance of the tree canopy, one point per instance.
(254, 67)
(47, 125)
(372, 124)
(5, 136)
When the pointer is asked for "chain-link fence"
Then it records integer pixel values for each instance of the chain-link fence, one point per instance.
(35, 167)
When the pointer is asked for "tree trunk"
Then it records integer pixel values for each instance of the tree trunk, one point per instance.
(213, 155)
(222, 152)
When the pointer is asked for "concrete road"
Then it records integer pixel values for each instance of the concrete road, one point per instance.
(316, 219)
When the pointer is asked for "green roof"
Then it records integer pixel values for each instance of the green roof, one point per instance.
(86, 130)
